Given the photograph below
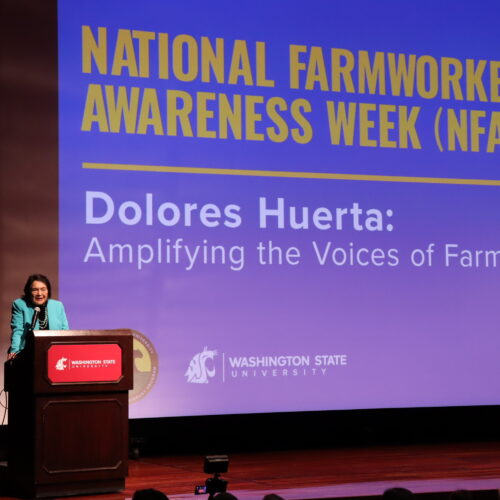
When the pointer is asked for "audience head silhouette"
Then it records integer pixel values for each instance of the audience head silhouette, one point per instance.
(397, 494)
(225, 496)
(149, 494)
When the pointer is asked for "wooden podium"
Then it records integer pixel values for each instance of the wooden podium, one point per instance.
(68, 413)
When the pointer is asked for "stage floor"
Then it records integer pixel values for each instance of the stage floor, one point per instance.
(329, 473)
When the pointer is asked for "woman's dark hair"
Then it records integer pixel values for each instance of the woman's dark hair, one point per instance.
(29, 283)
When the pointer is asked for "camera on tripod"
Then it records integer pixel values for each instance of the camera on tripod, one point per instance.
(216, 465)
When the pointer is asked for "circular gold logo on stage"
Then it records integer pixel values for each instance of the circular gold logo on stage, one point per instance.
(145, 366)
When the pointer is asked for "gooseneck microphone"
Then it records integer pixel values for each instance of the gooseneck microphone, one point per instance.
(35, 317)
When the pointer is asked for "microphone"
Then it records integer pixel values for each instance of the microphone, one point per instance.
(35, 317)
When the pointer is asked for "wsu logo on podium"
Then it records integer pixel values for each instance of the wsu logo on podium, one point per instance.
(198, 371)
(61, 364)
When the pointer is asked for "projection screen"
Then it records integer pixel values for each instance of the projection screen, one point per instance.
(295, 205)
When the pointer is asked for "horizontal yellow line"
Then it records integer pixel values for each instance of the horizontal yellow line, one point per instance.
(296, 175)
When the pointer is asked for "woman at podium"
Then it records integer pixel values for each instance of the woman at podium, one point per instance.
(35, 310)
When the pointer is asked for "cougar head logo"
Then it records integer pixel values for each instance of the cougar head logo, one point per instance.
(61, 364)
(198, 372)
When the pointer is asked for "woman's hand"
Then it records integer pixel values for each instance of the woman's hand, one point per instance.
(11, 355)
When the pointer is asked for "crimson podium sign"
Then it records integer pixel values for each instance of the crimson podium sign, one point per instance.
(72, 363)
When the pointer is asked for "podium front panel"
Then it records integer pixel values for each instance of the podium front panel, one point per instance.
(82, 438)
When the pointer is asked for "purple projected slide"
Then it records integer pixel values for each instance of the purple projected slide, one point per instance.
(296, 206)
